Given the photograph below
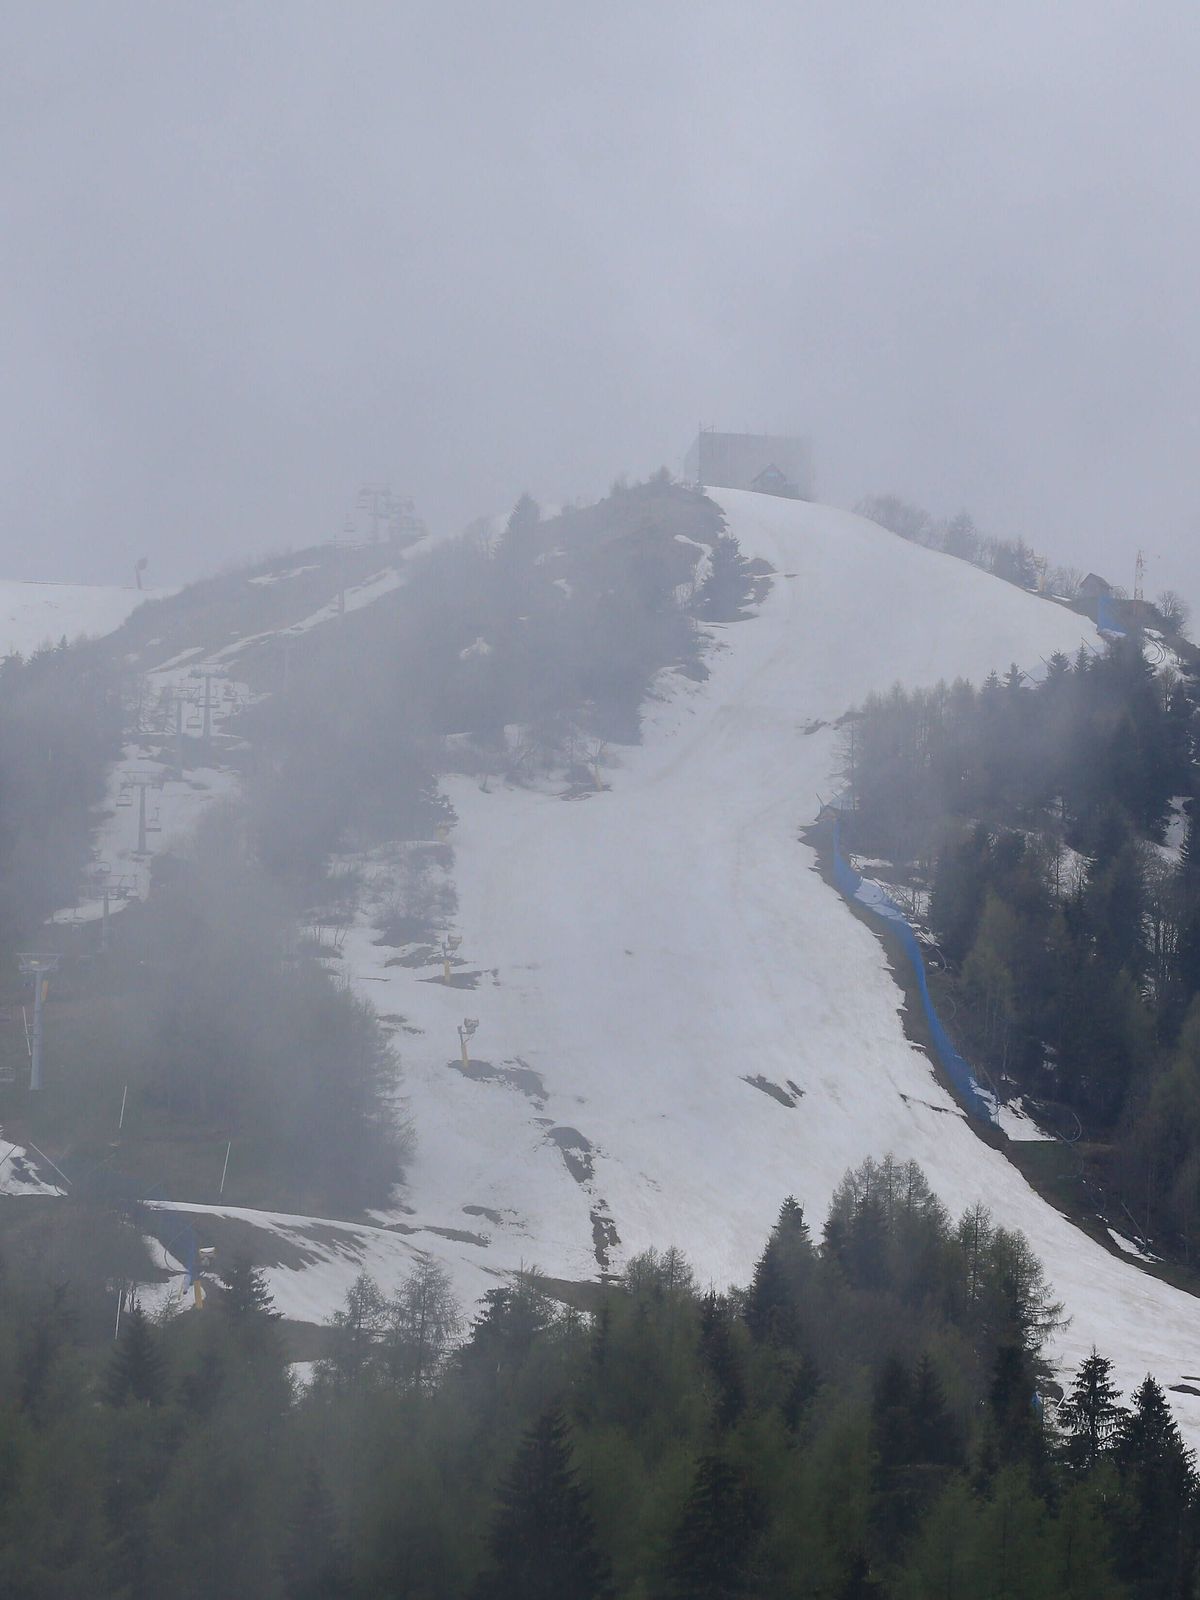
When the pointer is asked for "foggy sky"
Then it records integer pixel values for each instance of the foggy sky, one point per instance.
(255, 255)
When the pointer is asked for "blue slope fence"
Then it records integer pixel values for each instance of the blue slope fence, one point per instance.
(174, 1230)
(851, 885)
(1106, 616)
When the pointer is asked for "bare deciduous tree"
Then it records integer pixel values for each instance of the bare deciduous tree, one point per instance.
(1174, 611)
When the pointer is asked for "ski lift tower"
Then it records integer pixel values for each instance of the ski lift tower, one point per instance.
(376, 499)
(403, 521)
(39, 967)
(201, 699)
(141, 781)
(102, 885)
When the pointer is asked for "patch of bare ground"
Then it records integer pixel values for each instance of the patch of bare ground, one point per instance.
(514, 1074)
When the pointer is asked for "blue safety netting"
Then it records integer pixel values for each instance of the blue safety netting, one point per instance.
(173, 1229)
(1106, 616)
(851, 884)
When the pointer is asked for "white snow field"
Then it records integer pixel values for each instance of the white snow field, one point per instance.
(644, 951)
(33, 614)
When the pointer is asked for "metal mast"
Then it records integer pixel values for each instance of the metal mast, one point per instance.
(38, 967)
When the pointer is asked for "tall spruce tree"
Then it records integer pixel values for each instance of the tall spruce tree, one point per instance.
(960, 884)
(935, 1440)
(1149, 1440)
(709, 1555)
(45, 1332)
(775, 1299)
(247, 1298)
(136, 1373)
(718, 1344)
(543, 1541)
(725, 588)
(504, 1331)
(801, 1380)
(1158, 1536)
(1014, 1405)
(1090, 1413)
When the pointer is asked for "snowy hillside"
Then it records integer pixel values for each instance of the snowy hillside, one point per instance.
(195, 694)
(679, 1022)
(33, 614)
(642, 953)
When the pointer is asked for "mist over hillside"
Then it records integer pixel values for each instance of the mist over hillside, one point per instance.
(417, 911)
(599, 781)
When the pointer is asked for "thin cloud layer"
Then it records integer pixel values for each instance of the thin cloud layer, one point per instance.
(256, 256)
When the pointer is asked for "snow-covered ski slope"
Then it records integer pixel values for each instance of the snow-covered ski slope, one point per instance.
(33, 614)
(646, 950)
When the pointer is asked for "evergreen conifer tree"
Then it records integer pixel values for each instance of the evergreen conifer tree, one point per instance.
(1013, 1404)
(518, 548)
(1009, 1556)
(47, 1330)
(938, 1561)
(709, 1556)
(723, 592)
(504, 1332)
(1115, 905)
(523, 519)
(892, 1416)
(961, 538)
(314, 1561)
(247, 1298)
(136, 1373)
(717, 1342)
(1090, 1413)
(601, 1341)
(355, 1335)
(1149, 1438)
(776, 1291)
(1180, 723)
(801, 1381)
(1187, 958)
(934, 1437)
(960, 884)
(1186, 976)
(201, 1386)
(1157, 1541)
(543, 1541)
(1080, 1541)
